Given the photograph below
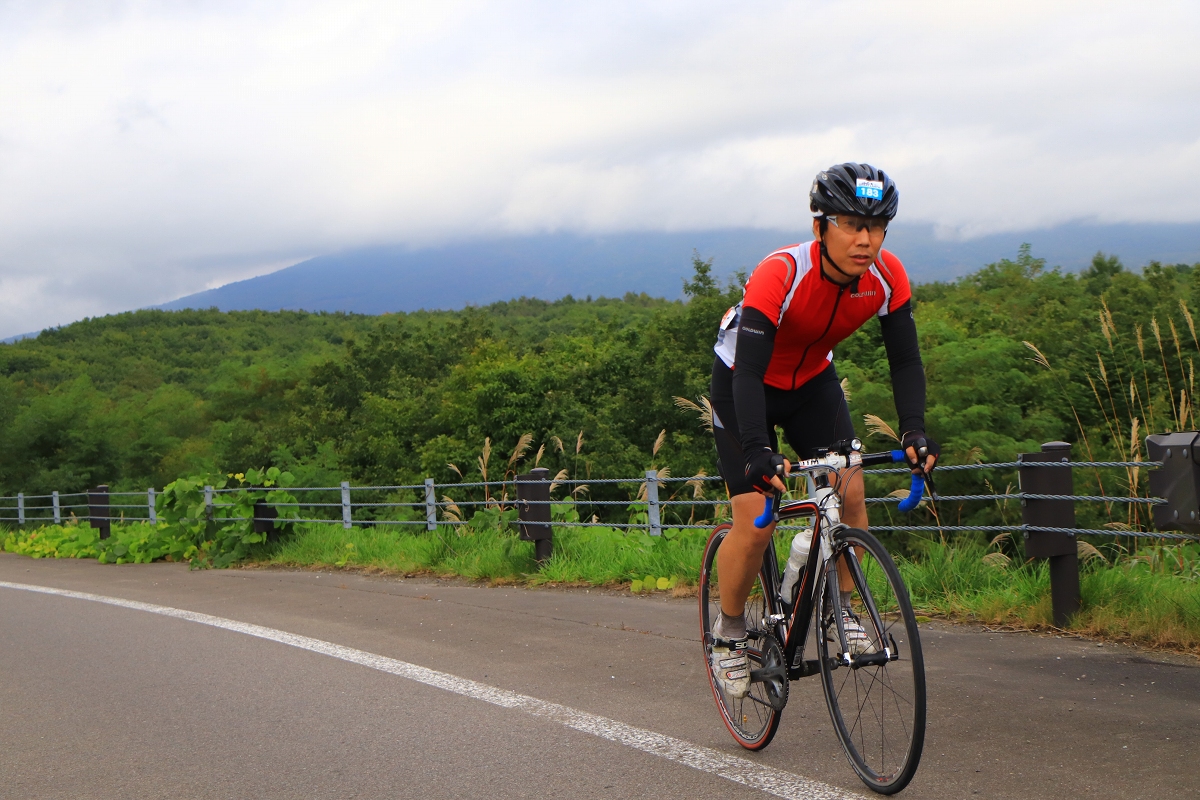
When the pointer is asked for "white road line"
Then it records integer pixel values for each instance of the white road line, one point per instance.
(739, 770)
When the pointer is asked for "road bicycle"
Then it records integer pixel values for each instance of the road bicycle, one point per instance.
(876, 696)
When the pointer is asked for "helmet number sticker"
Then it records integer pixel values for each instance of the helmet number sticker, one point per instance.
(872, 190)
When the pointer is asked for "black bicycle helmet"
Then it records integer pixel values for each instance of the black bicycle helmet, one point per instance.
(852, 188)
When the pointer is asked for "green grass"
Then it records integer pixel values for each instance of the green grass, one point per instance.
(483, 555)
(596, 556)
(1151, 597)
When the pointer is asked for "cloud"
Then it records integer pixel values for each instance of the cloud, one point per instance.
(152, 149)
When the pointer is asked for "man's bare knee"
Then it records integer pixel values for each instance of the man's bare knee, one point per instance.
(854, 488)
(854, 509)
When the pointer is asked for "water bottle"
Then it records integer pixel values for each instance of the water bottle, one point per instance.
(795, 563)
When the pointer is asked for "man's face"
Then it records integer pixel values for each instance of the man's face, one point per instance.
(853, 242)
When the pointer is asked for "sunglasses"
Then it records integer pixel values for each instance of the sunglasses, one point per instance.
(851, 223)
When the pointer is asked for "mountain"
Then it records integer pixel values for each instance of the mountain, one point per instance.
(19, 337)
(382, 279)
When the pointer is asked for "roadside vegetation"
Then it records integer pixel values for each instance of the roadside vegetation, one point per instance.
(131, 543)
(1149, 596)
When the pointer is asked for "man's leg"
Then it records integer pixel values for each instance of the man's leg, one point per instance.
(854, 514)
(741, 554)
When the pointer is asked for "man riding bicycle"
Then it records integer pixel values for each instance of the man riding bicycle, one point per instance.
(774, 367)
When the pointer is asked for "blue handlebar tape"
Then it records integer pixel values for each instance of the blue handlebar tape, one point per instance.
(898, 456)
(914, 494)
(766, 518)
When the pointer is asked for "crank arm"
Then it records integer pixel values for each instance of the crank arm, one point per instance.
(805, 669)
(768, 673)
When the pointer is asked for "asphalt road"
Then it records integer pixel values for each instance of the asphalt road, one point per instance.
(101, 701)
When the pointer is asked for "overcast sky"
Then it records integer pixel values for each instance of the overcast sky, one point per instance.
(149, 150)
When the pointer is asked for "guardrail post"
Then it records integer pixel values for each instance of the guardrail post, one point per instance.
(430, 505)
(98, 510)
(150, 507)
(264, 520)
(1177, 481)
(57, 508)
(1060, 548)
(20, 508)
(533, 511)
(347, 517)
(652, 502)
(208, 502)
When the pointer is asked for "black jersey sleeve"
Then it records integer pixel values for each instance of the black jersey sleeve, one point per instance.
(908, 373)
(755, 344)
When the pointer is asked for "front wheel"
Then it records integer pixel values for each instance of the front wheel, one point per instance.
(753, 719)
(877, 701)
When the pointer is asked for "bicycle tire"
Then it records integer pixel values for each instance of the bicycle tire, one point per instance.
(751, 722)
(864, 701)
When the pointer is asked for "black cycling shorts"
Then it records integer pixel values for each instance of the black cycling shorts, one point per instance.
(813, 415)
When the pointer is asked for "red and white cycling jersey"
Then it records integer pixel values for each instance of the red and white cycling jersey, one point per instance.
(812, 313)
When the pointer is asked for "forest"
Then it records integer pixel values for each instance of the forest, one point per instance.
(1016, 354)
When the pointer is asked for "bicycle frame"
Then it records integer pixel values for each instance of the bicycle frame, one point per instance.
(825, 508)
(792, 630)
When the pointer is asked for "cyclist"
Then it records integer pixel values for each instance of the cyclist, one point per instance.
(774, 367)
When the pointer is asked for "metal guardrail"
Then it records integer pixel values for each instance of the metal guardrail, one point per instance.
(20, 510)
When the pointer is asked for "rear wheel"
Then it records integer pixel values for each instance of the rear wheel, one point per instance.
(752, 720)
(877, 704)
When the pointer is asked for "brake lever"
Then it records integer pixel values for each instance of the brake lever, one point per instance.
(928, 476)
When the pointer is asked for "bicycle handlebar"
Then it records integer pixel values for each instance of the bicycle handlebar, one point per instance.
(915, 492)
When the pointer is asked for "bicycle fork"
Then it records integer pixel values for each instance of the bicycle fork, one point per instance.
(883, 652)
